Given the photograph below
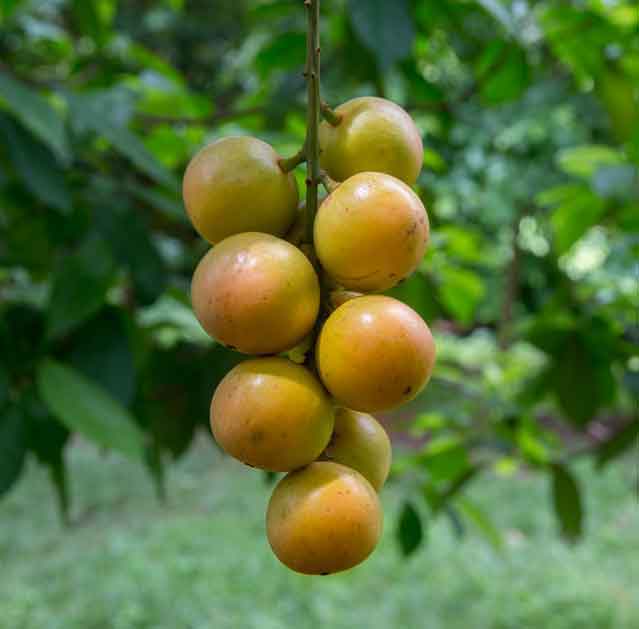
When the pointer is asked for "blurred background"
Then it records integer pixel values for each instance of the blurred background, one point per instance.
(513, 498)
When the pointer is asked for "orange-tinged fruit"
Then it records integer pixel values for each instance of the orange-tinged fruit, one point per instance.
(375, 353)
(323, 519)
(360, 442)
(272, 414)
(236, 185)
(371, 232)
(374, 134)
(256, 293)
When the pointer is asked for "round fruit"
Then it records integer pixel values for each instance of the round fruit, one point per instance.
(256, 293)
(236, 185)
(360, 442)
(272, 414)
(374, 134)
(371, 232)
(323, 519)
(375, 353)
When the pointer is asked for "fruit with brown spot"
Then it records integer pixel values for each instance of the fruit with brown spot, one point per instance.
(374, 134)
(256, 293)
(236, 185)
(371, 232)
(323, 519)
(375, 353)
(272, 414)
(360, 442)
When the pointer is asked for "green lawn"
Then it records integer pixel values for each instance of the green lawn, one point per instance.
(203, 561)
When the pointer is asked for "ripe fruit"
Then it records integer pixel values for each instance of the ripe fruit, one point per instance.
(371, 232)
(360, 442)
(374, 134)
(323, 519)
(272, 414)
(256, 293)
(236, 185)
(375, 353)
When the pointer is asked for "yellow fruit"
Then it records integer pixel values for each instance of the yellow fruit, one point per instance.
(371, 232)
(236, 185)
(272, 414)
(374, 135)
(375, 353)
(323, 519)
(256, 293)
(360, 442)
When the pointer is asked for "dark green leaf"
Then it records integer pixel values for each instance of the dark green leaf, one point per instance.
(13, 448)
(84, 406)
(385, 28)
(284, 52)
(101, 350)
(80, 285)
(36, 114)
(582, 381)
(410, 532)
(21, 338)
(106, 113)
(445, 458)
(567, 503)
(619, 443)
(46, 436)
(503, 72)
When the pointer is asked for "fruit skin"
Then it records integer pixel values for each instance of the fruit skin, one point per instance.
(374, 134)
(375, 353)
(371, 232)
(256, 293)
(360, 442)
(272, 414)
(235, 185)
(323, 519)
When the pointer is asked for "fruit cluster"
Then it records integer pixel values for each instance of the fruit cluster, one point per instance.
(259, 294)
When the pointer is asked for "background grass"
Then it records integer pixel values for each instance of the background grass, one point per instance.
(202, 561)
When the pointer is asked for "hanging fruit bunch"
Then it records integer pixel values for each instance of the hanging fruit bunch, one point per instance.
(296, 290)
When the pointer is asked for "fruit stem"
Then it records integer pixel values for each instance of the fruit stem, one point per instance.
(329, 114)
(327, 182)
(312, 75)
(290, 163)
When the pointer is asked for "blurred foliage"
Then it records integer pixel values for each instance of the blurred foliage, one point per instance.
(530, 116)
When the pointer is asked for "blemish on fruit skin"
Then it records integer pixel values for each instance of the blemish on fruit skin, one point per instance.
(408, 390)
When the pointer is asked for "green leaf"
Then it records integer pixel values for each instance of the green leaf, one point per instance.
(129, 238)
(410, 532)
(582, 381)
(445, 458)
(499, 12)
(385, 28)
(567, 503)
(482, 522)
(578, 209)
(583, 161)
(36, 166)
(83, 406)
(503, 71)
(101, 350)
(106, 113)
(80, 284)
(36, 114)
(284, 52)
(13, 448)
(461, 291)
(619, 443)
(46, 436)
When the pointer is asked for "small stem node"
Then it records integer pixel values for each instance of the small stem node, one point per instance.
(330, 115)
